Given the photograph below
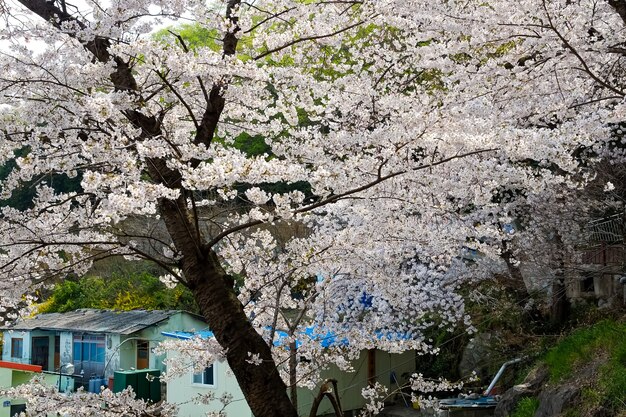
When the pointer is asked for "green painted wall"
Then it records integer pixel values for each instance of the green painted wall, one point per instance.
(181, 390)
(350, 384)
(12, 378)
(127, 353)
(6, 377)
(127, 345)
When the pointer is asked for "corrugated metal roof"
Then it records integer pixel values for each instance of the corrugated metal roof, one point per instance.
(95, 321)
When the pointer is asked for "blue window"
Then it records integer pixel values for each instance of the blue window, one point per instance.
(77, 355)
(206, 377)
(17, 347)
(89, 348)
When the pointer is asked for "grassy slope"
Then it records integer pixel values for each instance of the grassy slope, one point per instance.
(605, 342)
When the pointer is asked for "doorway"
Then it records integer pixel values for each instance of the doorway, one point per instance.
(40, 351)
(143, 350)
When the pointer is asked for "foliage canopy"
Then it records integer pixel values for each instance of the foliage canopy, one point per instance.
(415, 144)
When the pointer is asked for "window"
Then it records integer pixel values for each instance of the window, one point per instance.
(17, 347)
(89, 348)
(586, 284)
(207, 377)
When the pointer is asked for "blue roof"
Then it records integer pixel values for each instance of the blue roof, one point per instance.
(325, 339)
(203, 334)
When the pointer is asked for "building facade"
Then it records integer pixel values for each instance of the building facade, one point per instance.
(372, 366)
(95, 342)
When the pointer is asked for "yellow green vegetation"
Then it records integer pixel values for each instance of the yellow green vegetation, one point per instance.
(118, 292)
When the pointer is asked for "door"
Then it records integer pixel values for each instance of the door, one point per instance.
(57, 352)
(41, 348)
(143, 350)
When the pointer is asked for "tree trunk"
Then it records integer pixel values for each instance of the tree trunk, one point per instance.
(264, 389)
(293, 374)
(560, 308)
(213, 289)
(559, 312)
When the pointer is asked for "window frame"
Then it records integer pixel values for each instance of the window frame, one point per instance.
(204, 384)
(14, 341)
(93, 346)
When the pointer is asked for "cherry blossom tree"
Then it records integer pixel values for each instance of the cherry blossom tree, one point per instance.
(407, 122)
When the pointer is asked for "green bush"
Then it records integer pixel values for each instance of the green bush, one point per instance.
(120, 291)
(579, 346)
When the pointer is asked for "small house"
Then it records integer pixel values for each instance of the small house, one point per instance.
(95, 342)
(13, 374)
(388, 369)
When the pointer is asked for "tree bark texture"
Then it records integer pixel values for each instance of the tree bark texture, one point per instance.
(560, 307)
(293, 374)
(262, 386)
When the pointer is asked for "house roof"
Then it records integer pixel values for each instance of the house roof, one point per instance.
(325, 339)
(95, 321)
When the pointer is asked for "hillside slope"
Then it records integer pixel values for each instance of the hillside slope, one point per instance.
(583, 375)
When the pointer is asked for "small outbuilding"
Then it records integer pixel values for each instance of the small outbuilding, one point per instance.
(96, 343)
(388, 369)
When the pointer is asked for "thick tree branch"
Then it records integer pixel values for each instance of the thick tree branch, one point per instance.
(122, 77)
(307, 38)
(336, 197)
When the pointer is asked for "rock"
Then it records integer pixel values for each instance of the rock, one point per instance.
(477, 355)
(509, 400)
(537, 377)
(529, 388)
(552, 401)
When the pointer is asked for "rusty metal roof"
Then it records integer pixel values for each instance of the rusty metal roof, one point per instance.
(95, 321)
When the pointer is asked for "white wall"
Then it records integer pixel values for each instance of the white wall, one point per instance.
(66, 342)
(181, 390)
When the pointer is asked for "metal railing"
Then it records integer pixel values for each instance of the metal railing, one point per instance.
(608, 229)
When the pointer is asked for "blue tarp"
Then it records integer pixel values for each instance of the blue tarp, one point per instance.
(326, 339)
